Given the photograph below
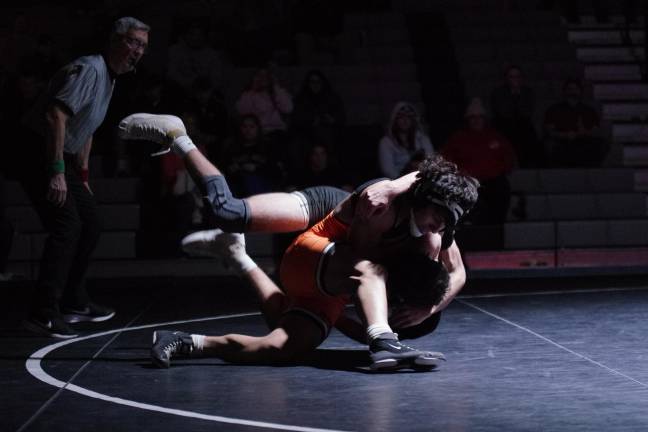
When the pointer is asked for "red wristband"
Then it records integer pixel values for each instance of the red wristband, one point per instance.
(85, 175)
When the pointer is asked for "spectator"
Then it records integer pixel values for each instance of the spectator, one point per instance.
(403, 143)
(319, 115)
(513, 105)
(247, 161)
(572, 129)
(271, 104)
(320, 170)
(481, 152)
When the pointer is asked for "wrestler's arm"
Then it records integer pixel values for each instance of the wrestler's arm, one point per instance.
(376, 198)
(451, 260)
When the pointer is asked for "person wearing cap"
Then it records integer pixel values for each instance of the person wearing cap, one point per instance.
(483, 153)
(341, 258)
(51, 160)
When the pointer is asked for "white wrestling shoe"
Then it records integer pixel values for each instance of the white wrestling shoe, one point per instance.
(167, 130)
(219, 244)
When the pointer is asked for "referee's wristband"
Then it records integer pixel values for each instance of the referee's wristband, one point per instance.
(57, 167)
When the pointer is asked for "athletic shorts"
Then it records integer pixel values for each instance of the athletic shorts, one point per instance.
(302, 268)
(321, 200)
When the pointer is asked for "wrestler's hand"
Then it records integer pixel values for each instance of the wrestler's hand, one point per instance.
(406, 315)
(375, 199)
(57, 190)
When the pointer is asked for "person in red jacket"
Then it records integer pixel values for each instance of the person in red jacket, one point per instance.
(481, 152)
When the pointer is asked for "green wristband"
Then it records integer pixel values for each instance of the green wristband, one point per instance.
(58, 166)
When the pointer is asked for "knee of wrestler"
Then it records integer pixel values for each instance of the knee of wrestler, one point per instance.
(228, 212)
(278, 347)
(229, 215)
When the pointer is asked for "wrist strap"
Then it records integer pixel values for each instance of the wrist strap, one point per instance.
(57, 167)
(84, 173)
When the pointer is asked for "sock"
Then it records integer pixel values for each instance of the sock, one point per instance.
(182, 145)
(375, 330)
(198, 342)
(243, 262)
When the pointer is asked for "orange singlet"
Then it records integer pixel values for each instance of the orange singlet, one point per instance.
(301, 269)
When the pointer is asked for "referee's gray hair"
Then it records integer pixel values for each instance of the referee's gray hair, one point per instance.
(124, 24)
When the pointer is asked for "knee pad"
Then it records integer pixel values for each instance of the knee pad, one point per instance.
(231, 214)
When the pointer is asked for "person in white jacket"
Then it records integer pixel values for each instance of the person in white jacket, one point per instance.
(404, 142)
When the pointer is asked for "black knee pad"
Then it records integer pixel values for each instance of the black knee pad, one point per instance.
(230, 214)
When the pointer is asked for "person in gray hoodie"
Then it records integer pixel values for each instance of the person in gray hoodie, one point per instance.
(404, 143)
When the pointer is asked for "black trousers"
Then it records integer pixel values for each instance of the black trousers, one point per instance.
(73, 232)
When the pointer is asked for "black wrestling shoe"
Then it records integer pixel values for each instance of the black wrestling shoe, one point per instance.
(388, 353)
(91, 312)
(49, 324)
(167, 344)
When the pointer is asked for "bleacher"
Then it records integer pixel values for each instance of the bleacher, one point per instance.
(574, 219)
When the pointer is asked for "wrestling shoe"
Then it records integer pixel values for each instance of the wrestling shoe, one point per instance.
(219, 244)
(92, 312)
(388, 353)
(166, 130)
(49, 324)
(168, 344)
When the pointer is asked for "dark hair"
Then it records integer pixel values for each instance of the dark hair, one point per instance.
(305, 90)
(440, 183)
(416, 279)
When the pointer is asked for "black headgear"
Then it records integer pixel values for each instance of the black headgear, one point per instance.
(424, 194)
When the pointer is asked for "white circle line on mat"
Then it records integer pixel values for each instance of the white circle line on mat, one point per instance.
(34, 367)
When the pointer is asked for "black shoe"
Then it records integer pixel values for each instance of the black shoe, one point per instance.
(91, 312)
(167, 344)
(387, 352)
(49, 324)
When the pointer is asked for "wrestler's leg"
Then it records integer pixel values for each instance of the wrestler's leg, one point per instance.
(296, 335)
(272, 299)
(277, 212)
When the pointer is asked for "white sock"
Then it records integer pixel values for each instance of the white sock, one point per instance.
(240, 259)
(182, 145)
(245, 263)
(375, 330)
(198, 342)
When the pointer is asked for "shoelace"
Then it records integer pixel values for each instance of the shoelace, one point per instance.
(178, 345)
(172, 347)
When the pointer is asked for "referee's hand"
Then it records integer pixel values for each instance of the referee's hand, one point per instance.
(57, 190)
